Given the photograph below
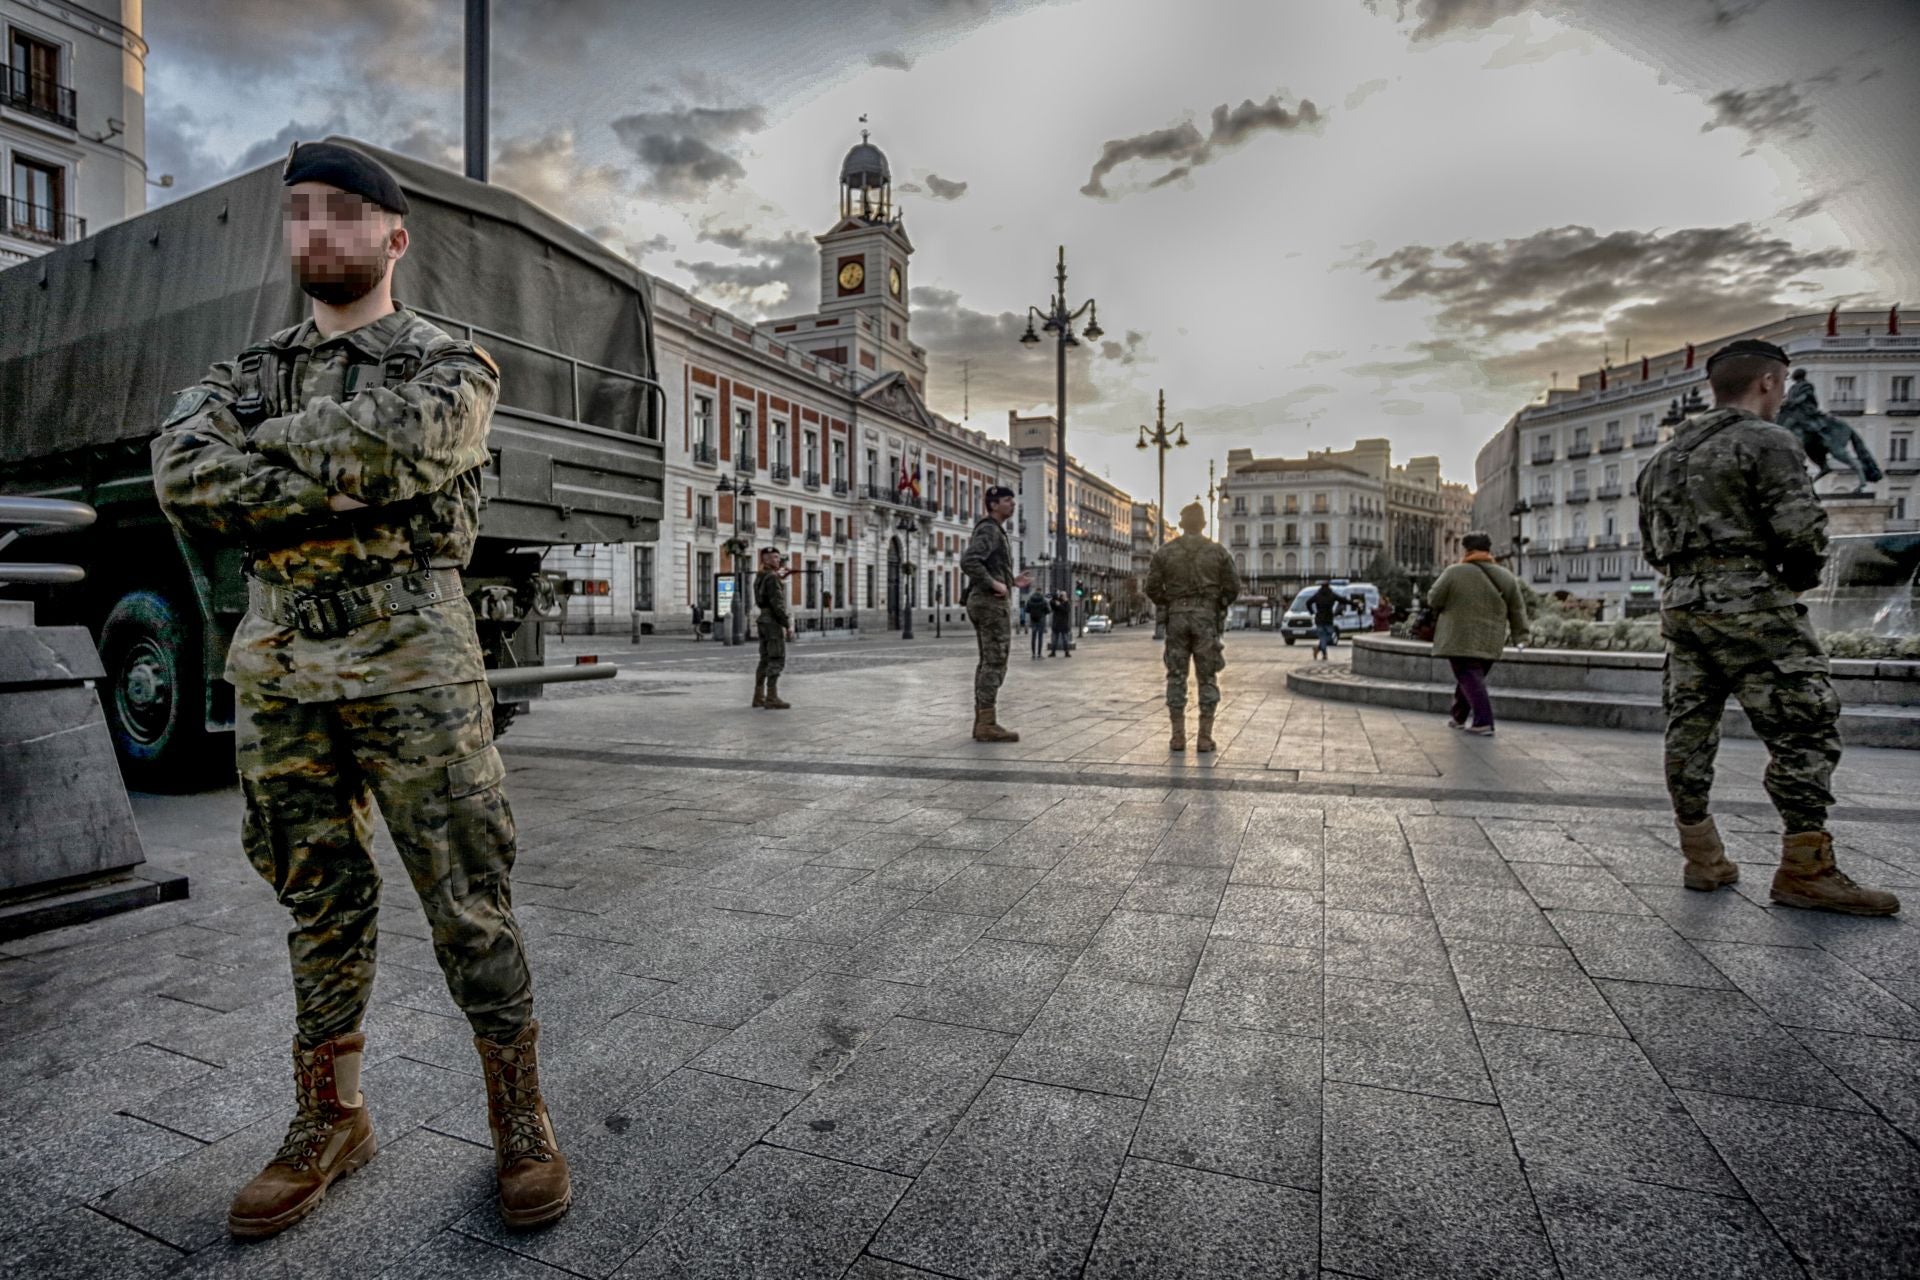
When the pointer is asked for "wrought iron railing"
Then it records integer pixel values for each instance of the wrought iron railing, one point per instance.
(704, 453)
(41, 224)
(38, 96)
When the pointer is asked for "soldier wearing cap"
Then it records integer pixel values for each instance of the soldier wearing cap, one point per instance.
(345, 455)
(776, 628)
(1729, 517)
(1192, 582)
(991, 579)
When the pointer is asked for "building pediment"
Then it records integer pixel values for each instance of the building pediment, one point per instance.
(893, 393)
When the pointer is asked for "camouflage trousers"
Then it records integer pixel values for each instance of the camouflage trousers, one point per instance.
(311, 774)
(1193, 635)
(993, 632)
(1771, 661)
(773, 649)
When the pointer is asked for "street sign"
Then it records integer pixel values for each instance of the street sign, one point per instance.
(723, 593)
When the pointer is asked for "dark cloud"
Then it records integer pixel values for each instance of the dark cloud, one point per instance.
(174, 147)
(682, 148)
(891, 59)
(1776, 113)
(268, 150)
(1521, 307)
(1004, 375)
(1805, 208)
(772, 273)
(1435, 18)
(941, 189)
(1187, 148)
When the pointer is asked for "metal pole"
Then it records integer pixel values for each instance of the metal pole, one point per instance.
(479, 39)
(1062, 571)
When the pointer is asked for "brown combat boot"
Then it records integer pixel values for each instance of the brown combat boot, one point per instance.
(773, 702)
(1707, 864)
(1807, 878)
(759, 691)
(331, 1135)
(535, 1186)
(987, 729)
(1203, 741)
(1178, 717)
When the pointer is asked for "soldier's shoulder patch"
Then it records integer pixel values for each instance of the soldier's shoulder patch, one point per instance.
(481, 354)
(186, 404)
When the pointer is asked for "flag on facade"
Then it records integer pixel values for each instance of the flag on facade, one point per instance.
(1833, 321)
(1893, 320)
(1646, 369)
(1689, 355)
(914, 484)
(1603, 378)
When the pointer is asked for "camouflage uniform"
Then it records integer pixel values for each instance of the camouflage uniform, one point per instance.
(395, 711)
(1728, 516)
(770, 595)
(989, 559)
(1192, 581)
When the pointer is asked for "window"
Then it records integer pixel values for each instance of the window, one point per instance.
(873, 481)
(1901, 389)
(643, 579)
(813, 524)
(1543, 487)
(839, 586)
(1240, 561)
(743, 431)
(779, 458)
(1611, 478)
(1320, 533)
(839, 459)
(1899, 509)
(34, 79)
(1609, 523)
(1542, 529)
(1293, 533)
(703, 580)
(1240, 534)
(813, 585)
(1579, 478)
(1581, 438)
(1579, 526)
(1843, 387)
(1266, 562)
(1239, 506)
(1319, 504)
(1291, 504)
(39, 198)
(703, 508)
(1645, 423)
(869, 586)
(1900, 447)
(703, 420)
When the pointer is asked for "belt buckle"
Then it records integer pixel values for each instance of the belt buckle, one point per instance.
(316, 618)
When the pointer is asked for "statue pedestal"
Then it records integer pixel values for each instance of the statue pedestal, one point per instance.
(1847, 513)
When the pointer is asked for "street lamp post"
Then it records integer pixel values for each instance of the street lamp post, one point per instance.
(1158, 439)
(908, 526)
(743, 494)
(1058, 319)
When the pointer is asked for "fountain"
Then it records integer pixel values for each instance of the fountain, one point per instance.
(1869, 585)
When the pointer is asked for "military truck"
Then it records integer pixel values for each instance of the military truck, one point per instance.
(99, 336)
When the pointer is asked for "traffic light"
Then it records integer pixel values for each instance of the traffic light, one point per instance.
(1080, 593)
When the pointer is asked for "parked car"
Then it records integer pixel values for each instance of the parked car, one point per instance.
(1298, 622)
(1099, 622)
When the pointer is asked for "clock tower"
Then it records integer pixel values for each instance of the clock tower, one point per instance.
(864, 272)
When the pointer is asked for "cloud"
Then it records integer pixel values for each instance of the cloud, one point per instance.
(682, 147)
(1187, 148)
(941, 189)
(1805, 208)
(546, 170)
(1435, 18)
(1003, 374)
(1360, 93)
(1776, 113)
(891, 60)
(771, 272)
(1523, 306)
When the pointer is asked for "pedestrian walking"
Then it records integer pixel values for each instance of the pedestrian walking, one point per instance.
(1192, 581)
(1478, 610)
(776, 628)
(1062, 638)
(991, 581)
(1326, 604)
(1729, 517)
(1037, 611)
(699, 616)
(346, 455)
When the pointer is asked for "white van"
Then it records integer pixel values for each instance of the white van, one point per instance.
(1298, 622)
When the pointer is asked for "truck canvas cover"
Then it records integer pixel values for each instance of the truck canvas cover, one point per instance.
(97, 336)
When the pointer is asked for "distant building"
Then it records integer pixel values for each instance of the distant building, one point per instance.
(1288, 521)
(1100, 542)
(1496, 488)
(73, 122)
(1150, 533)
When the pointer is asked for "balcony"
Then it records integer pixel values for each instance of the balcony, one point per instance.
(1570, 544)
(743, 463)
(1902, 407)
(1289, 542)
(780, 530)
(38, 96)
(1849, 407)
(1578, 495)
(705, 454)
(43, 225)
(1268, 540)
(1239, 540)
(813, 537)
(1639, 570)
(1608, 493)
(1541, 457)
(705, 522)
(780, 471)
(1539, 500)
(1646, 439)
(1612, 444)
(1606, 542)
(841, 488)
(1321, 542)
(1579, 449)
(839, 542)
(1578, 570)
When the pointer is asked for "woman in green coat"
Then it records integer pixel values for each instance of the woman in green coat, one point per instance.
(1479, 611)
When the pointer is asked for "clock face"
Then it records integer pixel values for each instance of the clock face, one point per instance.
(852, 276)
(893, 280)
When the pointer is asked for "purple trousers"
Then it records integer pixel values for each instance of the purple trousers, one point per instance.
(1470, 691)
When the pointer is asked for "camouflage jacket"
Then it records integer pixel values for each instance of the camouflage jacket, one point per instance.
(394, 414)
(1193, 572)
(1728, 515)
(988, 559)
(770, 595)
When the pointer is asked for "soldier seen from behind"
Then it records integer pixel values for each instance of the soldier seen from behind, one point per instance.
(1192, 582)
(991, 580)
(345, 456)
(1729, 517)
(776, 628)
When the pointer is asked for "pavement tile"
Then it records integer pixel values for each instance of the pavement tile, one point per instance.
(1451, 865)
(1018, 1189)
(1596, 1103)
(1058, 915)
(923, 870)
(1385, 948)
(1637, 948)
(75, 1163)
(1237, 1101)
(1282, 868)
(1533, 842)
(1884, 1072)
(1452, 833)
(1139, 946)
(80, 1242)
(983, 889)
(1168, 1221)
(807, 1036)
(1577, 888)
(452, 1253)
(1722, 916)
(896, 1101)
(737, 985)
(31, 1109)
(1097, 1033)
(851, 916)
(1250, 984)
(1613, 1229)
(871, 1268)
(1860, 1225)
(1094, 867)
(1407, 1036)
(1812, 989)
(1879, 948)
(775, 1213)
(636, 1169)
(1353, 887)
(1415, 1185)
(1530, 986)
(1278, 917)
(1489, 914)
(1176, 890)
(913, 947)
(995, 984)
(1379, 849)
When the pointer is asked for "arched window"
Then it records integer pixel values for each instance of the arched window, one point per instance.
(1319, 562)
(1293, 563)
(1240, 561)
(1266, 562)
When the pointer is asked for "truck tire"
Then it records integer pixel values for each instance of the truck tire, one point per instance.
(154, 693)
(1287, 638)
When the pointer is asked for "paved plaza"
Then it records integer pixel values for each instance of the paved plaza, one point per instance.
(838, 992)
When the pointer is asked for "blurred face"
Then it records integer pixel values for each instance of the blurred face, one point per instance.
(772, 563)
(1772, 391)
(342, 245)
(1001, 510)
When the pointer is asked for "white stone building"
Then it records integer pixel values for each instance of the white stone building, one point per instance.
(73, 122)
(1581, 449)
(1288, 521)
(1099, 514)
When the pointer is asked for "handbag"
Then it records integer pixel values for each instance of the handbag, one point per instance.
(1425, 623)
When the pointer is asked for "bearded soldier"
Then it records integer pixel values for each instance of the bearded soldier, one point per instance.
(1728, 516)
(988, 565)
(345, 454)
(1192, 581)
(776, 628)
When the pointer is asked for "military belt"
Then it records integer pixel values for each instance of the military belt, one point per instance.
(1717, 564)
(332, 615)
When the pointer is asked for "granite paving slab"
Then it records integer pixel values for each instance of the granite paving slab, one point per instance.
(1237, 1101)
(984, 889)
(1097, 1033)
(1385, 947)
(734, 986)
(1635, 948)
(1058, 915)
(1530, 986)
(1164, 1220)
(1137, 946)
(1176, 890)
(1614, 1229)
(1577, 888)
(806, 1037)
(1250, 984)
(1812, 989)
(1394, 1035)
(79, 1242)
(1486, 913)
(1885, 1073)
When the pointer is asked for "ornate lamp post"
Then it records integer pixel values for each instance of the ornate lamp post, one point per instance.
(738, 546)
(1058, 319)
(1158, 439)
(907, 526)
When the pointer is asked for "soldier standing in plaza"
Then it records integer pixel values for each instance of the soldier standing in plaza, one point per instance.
(776, 628)
(1729, 517)
(1192, 582)
(988, 566)
(345, 455)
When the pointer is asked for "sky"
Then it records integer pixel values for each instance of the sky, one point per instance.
(1307, 221)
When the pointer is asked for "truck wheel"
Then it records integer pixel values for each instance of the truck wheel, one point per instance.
(1287, 638)
(155, 690)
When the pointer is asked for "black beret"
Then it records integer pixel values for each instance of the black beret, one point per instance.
(1748, 347)
(347, 169)
(998, 493)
